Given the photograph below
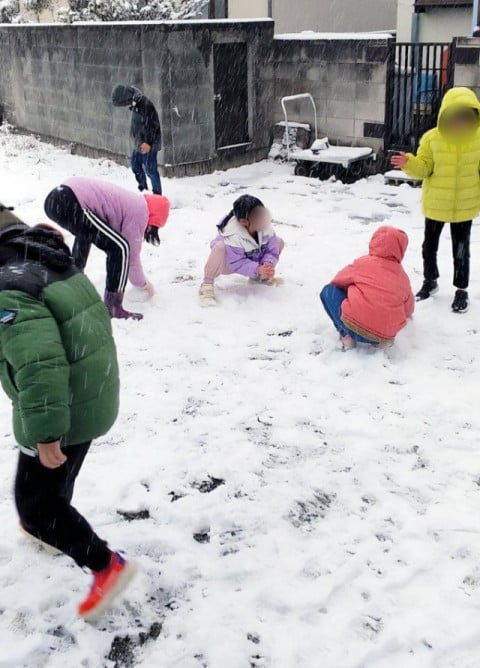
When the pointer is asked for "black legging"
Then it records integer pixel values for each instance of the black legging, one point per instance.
(43, 499)
(460, 233)
(63, 208)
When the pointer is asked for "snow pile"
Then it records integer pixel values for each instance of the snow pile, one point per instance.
(305, 507)
(131, 10)
(9, 10)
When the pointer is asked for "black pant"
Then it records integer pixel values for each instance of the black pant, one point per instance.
(43, 499)
(460, 233)
(63, 208)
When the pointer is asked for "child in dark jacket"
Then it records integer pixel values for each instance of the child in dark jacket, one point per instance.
(370, 300)
(146, 134)
(58, 366)
(246, 244)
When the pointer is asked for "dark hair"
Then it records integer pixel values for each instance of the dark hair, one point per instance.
(242, 208)
(151, 235)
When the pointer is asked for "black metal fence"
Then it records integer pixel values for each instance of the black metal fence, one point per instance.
(418, 77)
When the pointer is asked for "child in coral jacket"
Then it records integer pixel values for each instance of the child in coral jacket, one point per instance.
(246, 244)
(370, 300)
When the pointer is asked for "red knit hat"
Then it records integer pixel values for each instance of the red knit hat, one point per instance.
(158, 210)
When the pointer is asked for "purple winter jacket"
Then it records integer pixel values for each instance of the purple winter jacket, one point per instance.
(125, 212)
(243, 253)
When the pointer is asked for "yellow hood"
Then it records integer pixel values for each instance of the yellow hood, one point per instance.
(457, 98)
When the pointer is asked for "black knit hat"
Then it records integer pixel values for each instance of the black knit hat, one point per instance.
(9, 222)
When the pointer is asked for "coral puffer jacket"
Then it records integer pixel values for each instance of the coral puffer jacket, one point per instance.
(379, 295)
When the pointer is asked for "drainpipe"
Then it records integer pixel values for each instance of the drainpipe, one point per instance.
(476, 18)
(416, 26)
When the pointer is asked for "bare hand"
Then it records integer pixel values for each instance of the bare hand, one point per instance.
(145, 148)
(399, 161)
(266, 271)
(50, 455)
(150, 290)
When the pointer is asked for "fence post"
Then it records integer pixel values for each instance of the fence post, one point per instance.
(389, 92)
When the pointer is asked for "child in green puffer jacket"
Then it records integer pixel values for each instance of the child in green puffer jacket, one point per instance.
(58, 366)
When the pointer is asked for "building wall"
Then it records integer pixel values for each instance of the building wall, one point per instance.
(442, 25)
(57, 81)
(404, 20)
(339, 16)
(434, 25)
(321, 15)
(347, 79)
(244, 9)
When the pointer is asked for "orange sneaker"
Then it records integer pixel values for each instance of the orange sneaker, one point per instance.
(107, 585)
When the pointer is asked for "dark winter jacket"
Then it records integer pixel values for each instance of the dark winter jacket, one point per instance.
(58, 363)
(145, 126)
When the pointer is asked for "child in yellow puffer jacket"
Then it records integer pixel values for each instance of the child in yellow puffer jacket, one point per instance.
(448, 161)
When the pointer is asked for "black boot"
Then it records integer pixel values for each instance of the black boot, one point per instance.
(460, 303)
(428, 289)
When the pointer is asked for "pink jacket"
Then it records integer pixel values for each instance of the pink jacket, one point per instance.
(379, 295)
(125, 212)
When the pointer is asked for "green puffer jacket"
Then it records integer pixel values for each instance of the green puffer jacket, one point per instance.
(58, 361)
(449, 166)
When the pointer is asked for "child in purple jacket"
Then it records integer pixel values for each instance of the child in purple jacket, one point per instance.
(246, 244)
(115, 220)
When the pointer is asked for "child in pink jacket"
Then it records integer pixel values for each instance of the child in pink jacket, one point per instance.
(116, 221)
(370, 300)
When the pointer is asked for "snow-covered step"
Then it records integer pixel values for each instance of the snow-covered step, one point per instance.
(395, 177)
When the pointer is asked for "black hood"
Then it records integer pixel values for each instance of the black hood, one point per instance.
(40, 244)
(9, 222)
(125, 96)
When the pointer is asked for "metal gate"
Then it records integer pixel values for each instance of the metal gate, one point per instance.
(418, 77)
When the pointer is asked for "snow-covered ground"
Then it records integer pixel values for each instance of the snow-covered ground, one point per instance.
(346, 530)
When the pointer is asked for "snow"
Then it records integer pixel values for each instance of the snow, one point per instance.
(294, 124)
(174, 22)
(333, 155)
(335, 36)
(398, 175)
(346, 533)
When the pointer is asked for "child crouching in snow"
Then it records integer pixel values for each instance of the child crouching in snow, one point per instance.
(246, 244)
(370, 300)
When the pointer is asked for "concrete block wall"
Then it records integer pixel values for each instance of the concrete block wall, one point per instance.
(347, 79)
(61, 78)
(466, 57)
(56, 80)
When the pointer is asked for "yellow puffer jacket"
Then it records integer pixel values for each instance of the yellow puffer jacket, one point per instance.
(449, 166)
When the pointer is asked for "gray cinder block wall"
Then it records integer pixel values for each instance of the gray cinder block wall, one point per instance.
(347, 78)
(56, 80)
(466, 57)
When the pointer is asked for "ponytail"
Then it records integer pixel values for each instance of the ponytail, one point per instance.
(225, 220)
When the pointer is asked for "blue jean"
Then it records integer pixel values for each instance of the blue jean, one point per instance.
(143, 165)
(332, 298)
